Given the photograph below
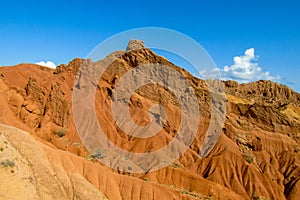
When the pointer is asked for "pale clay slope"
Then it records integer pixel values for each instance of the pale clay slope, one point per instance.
(32, 174)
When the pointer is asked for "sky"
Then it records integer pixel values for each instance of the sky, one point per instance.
(248, 40)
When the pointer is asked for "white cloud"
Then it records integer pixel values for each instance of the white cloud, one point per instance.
(210, 73)
(246, 69)
(47, 64)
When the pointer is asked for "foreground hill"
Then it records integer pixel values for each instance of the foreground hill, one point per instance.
(256, 157)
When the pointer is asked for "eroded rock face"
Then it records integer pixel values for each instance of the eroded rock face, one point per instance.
(58, 106)
(264, 92)
(16, 100)
(257, 156)
(34, 102)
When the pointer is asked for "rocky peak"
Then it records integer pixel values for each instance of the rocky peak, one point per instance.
(73, 66)
(135, 45)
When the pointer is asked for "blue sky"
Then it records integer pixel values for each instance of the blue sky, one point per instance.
(32, 31)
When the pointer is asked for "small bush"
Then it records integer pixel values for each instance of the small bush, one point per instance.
(256, 197)
(189, 193)
(98, 154)
(175, 165)
(7, 163)
(249, 157)
(90, 158)
(76, 144)
(61, 132)
(145, 179)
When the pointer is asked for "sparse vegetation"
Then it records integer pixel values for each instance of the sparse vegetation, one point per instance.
(189, 193)
(183, 191)
(76, 144)
(256, 197)
(145, 179)
(7, 163)
(243, 141)
(90, 158)
(60, 132)
(249, 157)
(98, 154)
(175, 165)
(1, 148)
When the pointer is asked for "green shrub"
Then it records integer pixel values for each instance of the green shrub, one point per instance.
(145, 179)
(175, 165)
(98, 154)
(7, 163)
(249, 157)
(60, 132)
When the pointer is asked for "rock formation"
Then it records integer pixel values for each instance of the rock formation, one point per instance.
(135, 45)
(256, 157)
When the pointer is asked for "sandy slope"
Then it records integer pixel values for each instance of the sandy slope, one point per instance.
(32, 174)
